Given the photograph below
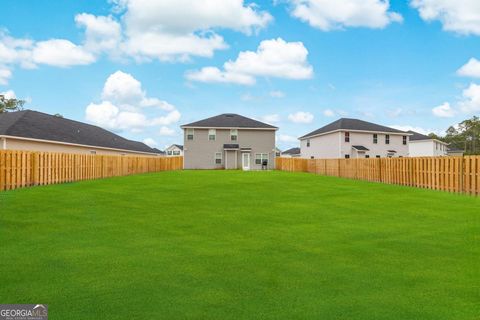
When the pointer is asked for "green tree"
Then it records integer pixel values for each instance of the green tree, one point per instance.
(465, 136)
(13, 104)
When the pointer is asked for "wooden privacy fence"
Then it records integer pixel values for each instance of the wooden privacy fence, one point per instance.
(453, 174)
(20, 169)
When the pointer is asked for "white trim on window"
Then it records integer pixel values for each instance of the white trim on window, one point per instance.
(218, 156)
(190, 133)
(233, 135)
(260, 157)
(212, 134)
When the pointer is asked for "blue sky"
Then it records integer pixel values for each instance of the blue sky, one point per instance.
(298, 64)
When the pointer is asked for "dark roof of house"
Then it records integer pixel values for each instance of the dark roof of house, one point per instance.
(38, 125)
(230, 146)
(292, 151)
(158, 151)
(360, 148)
(351, 124)
(418, 136)
(230, 120)
(179, 146)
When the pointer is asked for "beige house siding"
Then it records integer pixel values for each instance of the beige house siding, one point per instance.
(9, 143)
(199, 153)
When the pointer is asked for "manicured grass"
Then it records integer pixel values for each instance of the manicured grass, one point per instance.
(240, 245)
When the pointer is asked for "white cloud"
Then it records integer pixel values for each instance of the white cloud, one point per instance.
(270, 118)
(329, 113)
(470, 69)
(273, 58)
(277, 94)
(101, 33)
(166, 131)
(124, 103)
(9, 94)
(5, 75)
(286, 138)
(460, 16)
(61, 53)
(337, 14)
(301, 117)
(177, 29)
(444, 111)
(471, 99)
(150, 142)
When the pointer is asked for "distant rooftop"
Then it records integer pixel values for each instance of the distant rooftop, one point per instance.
(351, 124)
(229, 120)
(37, 125)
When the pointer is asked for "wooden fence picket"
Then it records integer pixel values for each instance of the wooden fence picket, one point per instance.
(20, 169)
(452, 174)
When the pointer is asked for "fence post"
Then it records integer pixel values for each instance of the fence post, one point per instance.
(462, 165)
(35, 167)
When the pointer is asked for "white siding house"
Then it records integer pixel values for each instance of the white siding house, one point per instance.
(353, 138)
(424, 146)
(175, 150)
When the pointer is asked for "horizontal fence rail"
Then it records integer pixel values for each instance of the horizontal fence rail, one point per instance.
(453, 174)
(19, 169)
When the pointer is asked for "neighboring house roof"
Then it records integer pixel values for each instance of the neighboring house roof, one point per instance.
(292, 151)
(176, 146)
(419, 137)
(37, 125)
(352, 124)
(158, 151)
(229, 120)
(360, 148)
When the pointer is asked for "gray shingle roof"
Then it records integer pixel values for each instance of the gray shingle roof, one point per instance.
(418, 136)
(292, 151)
(351, 124)
(361, 148)
(229, 120)
(38, 125)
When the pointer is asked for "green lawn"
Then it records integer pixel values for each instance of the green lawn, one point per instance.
(240, 245)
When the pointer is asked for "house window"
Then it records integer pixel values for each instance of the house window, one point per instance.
(404, 140)
(377, 156)
(176, 153)
(190, 134)
(169, 152)
(367, 156)
(218, 158)
(375, 138)
(308, 142)
(212, 134)
(347, 156)
(387, 139)
(312, 157)
(234, 134)
(347, 136)
(93, 152)
(260, 158)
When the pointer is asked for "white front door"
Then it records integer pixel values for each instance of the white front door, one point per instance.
(246, 161)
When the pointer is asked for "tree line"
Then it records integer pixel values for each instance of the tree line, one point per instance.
(464, 136)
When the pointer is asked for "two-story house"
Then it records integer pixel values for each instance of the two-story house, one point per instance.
(353, 138)
(229, 141)
(421, 145)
